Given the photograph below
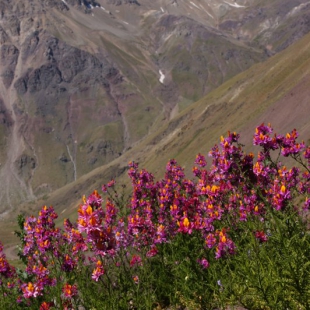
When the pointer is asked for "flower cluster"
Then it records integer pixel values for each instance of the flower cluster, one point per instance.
(210, 208)
(233, 187)
(8, 275)
(6, 270)
(49, 250)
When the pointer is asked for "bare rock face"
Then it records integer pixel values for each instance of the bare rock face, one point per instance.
(5, 118)
(120, 2)
(41, 113)
(274, 25)
(59, 4)
(63, 63)
(86, 3)
(8, 60)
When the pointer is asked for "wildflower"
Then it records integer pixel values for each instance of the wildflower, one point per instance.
(98, 271)
(200, 160)
(46, 305)
(225, 245)
(31, 290)
(6, 269)
(152, 252)
(160, 234)
(262, 136)
(10, 285)
(185, 226)
(210, 240)
(261, 236)
(40, 271)
(289, 144)
(136, 261)
(203, 262)
(136, 279)
(68, 263)
(69, 290)
(111, 183)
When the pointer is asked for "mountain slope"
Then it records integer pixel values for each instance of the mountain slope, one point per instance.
(80, 86)
(274, 91)
(86, 82)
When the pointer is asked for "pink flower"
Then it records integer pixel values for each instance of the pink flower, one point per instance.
(152, 252)
(262, 136)
(111, 183)
(136, 279)
(46, 305)
(98, 271)
(69, 290)
(135, 261)
(203, 262)
(210, 240)
(185, 226)
(261, 236)
(31, 290)
(200, 160)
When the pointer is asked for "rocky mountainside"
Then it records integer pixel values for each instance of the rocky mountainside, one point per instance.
(84, 81)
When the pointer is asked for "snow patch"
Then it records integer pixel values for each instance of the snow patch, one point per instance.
(297, 8)
(236, 93)
(162, 77)
(206, 11)
(235, 5)
(265, 25)
(168, 36)
(65, 2)
(73, 162)
(204, 110)
(195, 5)
(162, 10)
(125, 23)
(101, 7)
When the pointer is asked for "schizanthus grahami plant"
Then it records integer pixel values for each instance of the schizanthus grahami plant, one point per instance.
(174, 240)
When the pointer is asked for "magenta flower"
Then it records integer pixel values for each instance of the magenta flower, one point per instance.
(98, 271)
(262, 136)
(135, 261)
(152, 252)
(47, 305)
(200, 160)
(203, 262)
(136, 279)
(210, 240)
(69, 290)
(31, 290)
(185, 226)
(261, 236)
